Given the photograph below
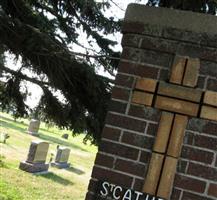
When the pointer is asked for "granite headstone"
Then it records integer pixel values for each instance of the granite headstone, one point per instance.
(36, 158)
(34, 127)
(62, 157)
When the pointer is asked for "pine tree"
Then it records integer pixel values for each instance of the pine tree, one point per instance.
(203, 6)
(41, 33)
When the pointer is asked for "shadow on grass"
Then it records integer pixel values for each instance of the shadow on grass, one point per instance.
(7, 145)
(47, 130)
(11, 125)
(56, 178)
(75, 170)
(59, 141)
(14, 121)
(3, 163)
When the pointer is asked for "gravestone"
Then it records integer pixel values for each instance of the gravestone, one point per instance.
(160, 136)
(62, 157)
(34, 127)
(65, 136)
(36, 158)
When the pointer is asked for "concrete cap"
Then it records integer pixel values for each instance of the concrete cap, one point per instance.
(178, 19)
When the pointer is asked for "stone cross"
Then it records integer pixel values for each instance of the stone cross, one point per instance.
(36, 158)
(178, 101)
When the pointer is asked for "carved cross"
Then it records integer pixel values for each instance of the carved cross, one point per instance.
(178, 101)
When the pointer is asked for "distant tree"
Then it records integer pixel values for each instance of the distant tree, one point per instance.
(203, 6)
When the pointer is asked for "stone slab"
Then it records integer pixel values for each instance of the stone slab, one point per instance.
(167, 177)
(153, 175)
(176, 19)
(33, 167)
(180, 92)
(177, 135)
(148, 85)
(177, 106)
(142, 98)
(177, 71)
(163, 132)
(191, 72)
(210, 98)
(208, 112)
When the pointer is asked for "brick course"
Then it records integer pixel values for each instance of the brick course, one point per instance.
(212, 190)
(130, 129)
(189, 183)
(197, 155)
(138, 70)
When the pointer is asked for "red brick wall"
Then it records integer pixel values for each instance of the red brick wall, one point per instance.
(129, 132)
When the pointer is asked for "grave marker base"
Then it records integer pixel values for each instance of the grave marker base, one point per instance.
(33, 167)
(60, 165)
(33, 133)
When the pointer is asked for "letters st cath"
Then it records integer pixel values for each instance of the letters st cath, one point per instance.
(108, 191)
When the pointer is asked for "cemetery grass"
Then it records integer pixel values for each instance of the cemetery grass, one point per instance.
(60, 184)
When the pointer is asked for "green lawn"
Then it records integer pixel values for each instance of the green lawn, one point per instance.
(59, 184)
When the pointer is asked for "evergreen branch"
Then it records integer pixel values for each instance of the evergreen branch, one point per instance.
(117, 6)
(32, 35)
(93, 56)
(104, 42)
(25, 77)
(86, 48)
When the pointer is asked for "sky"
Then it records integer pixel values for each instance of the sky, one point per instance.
(117, 10)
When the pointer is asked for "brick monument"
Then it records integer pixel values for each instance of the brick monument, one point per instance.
(160, 137)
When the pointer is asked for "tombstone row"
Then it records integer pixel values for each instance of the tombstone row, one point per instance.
(34, 126)
(36, 159)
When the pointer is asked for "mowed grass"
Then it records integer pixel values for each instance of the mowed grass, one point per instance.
(59, 184)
